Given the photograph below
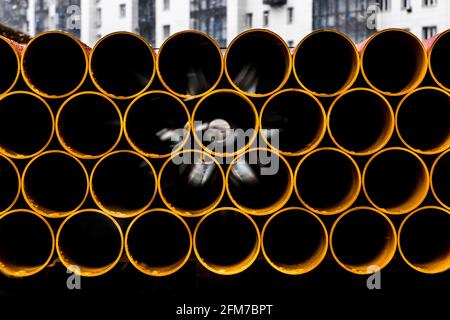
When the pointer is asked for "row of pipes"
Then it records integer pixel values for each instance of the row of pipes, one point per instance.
(122, 129)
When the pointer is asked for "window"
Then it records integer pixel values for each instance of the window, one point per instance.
(384, 5)
(123, 10)
(428, 32)
(406, 5)
(266, 18)
(290, 14)
(166, 5)
(98, 17)
(249, 20)
(429, 3)
(166, 30)
(290, 43)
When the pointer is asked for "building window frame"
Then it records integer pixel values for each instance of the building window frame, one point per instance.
(429, 3)
(290, 15)
(249, 20)
(428, 32)
(265, 18)
(166, 5)
(122, 10)
(166, 30)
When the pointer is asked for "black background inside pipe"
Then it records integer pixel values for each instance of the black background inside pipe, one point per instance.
(392, 60)
(425, 236)
(298, 118)
(263, 190)
(55, 182)
(90, 239)
(325, 179)
(257, 60)
(424, 119)
(360, 237)
(153, 115)
(25, 240)
(9, 66)
(181, 184)
(89, 124)
(122, 65)
(9, 184)
(392, 178)
(325, 62)
(235, 111)
(293, 237)
(26, 124)
(225, 238)
(190, 64)
(359, 120)
(158, 239)
(123, 181)
(441, 178)
(439, 60)
(55, 64)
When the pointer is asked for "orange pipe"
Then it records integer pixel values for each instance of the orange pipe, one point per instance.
(55, 184)
(226, 241)
(9, 184)
(438, 52)
(10, 65)
(363, 240)
(294, 241)
(360, 121)
(27, 243)
(27, 124)
(89, 243)
(424, 240)
(191, 183)
(439, 177)
(258, 62)
(395, 180)
(158, 242)
(123, 183)
(393, 61)
(122, 65)
(326, 63)
(293, 118)
(89, 125)
(157, 124)
(54, 64)
(327, 181)
(259, 181)
(189, 64)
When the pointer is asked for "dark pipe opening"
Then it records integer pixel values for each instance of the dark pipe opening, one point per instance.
(26, 243)
(440, 178)
(326, 62)
(260, 181)
(9, 183)
(423, 120)
(191, 183)
(54, 64)
(9, 66)
(258, 62)
(294, 120)
(439, 60)
(327, 181)
(123, 183)
(396, 180)
(425, 239)
(89, 240)
(89, 125)
(226, 239)
(122, 64)
(225, 122)
(158, 242)
(55, 183)
(295, 241)
(361, 121)
(190, 63)
(394, 61)
(27, 124)
(363, 238)
(156, 124)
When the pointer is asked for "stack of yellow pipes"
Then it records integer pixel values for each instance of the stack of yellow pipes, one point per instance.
(122, 153)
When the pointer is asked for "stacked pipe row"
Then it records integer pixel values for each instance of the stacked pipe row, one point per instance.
(117, 153)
